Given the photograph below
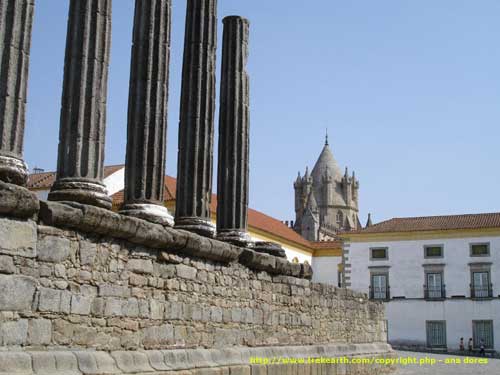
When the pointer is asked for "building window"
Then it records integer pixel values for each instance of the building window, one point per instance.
(482, 332)
(340, 217)
(479, 249)
(379, 253)
(379, 287)
(433, 251)
(339, 279)
(436, 333)
(481, 286)
(434, 287)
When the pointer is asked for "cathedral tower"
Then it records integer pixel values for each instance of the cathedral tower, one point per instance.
(326, 201)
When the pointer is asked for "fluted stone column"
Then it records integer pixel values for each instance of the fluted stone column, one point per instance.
(196, 127)
(147, 112)
(83, 109)
(16, 20)
(234, 121)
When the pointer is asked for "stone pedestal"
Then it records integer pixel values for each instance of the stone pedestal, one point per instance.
(83, 110)
(234, 121)
(16, 20)
(147, 112)
(196, 126)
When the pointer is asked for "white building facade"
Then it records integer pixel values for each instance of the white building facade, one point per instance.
(439, 278)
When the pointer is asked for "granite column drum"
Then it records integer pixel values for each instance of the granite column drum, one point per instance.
(16, 20)
(234, 121)
(147, 112)
(83, 109)
(196, 126)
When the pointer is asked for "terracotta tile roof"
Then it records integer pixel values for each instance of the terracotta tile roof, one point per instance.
(45, 180)
(256, 219)
(427, 223)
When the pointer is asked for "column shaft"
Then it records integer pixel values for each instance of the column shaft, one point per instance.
(16, 20)
(234, 121)
(196, 127)
(83, 111)
(147, 112)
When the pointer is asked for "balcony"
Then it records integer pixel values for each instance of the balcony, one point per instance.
(380, 294)
(481, 291)
(434, 292)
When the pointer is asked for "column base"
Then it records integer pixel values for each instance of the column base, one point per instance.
(271, 248)
(154, 213)
(203, 227)
(236, 237)
(80, 190)
(13, 170)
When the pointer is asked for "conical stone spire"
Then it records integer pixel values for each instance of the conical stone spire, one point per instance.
(196, 126)
(232, 185)
(16, 20)
(369, 221)
(147, 112)
(83, 110)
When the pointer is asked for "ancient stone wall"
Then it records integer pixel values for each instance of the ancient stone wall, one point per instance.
(66, 284)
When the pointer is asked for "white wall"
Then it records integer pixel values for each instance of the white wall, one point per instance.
(406, 318)
(325, 269)
(406, 260)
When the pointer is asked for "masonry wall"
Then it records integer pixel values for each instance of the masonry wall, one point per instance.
(83, 279)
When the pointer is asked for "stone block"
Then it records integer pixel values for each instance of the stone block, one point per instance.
(109, 290)
(130, 308)
(186, 272)
(81, 305)
(7, 264)
(16, 292)
(158, 335)
(53, 249)
(39, 332)
(132, 361)
(14, 332)
(113, 307)
(96, 363)
(88, 253)
(55, 363)
(49, 300)
(239, 370)
(18, 238)
(141, 266)
(15, 363)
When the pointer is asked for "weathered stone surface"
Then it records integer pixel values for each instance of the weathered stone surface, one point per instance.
(16, 292)
(14, 333)
(7, 264)
(39, 332)
(55, 363)
(270, 248)
(147, 115)
(15, 363)
(53, 249)
(234, 128)
(88, 253)
(18, 238)
(17, 201)
(16, 20)
(186, 272)
(196, 125)
(143, 266)
(83, 108)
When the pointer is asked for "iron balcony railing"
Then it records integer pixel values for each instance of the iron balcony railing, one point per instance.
(380, 293)
(481, 291)
(435, 291)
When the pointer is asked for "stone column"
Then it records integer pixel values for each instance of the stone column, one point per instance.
(196, 127)
(83, 108)
(234, 122)
(16, 20)
(147, 112)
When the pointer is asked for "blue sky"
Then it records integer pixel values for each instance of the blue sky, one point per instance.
(409, 91)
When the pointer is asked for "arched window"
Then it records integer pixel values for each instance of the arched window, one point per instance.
(340, 217)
